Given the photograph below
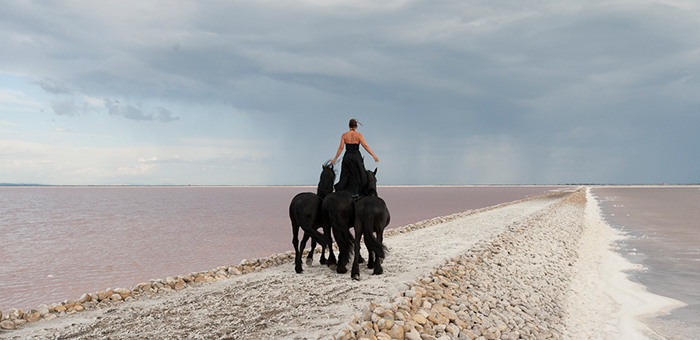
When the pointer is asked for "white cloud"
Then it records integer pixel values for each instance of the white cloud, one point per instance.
(140, 169)
(17, 101)
(67, 164)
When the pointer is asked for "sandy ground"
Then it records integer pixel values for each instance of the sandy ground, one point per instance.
(277, 303)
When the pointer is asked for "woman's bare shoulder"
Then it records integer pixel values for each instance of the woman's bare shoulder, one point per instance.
(352, 137)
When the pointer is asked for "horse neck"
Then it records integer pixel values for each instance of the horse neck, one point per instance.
(369, 190)
(372, 192)
(324, 188)
(325, 184)
(323, 192)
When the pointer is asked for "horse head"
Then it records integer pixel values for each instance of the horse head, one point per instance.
(370, 188)
(325, 184)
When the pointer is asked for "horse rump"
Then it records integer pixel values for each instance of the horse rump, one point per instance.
(339, 213)
(304, 213)
(371, 216)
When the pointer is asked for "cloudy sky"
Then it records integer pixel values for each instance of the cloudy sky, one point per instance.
(258, 92)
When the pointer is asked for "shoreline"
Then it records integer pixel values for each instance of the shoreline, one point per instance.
(530, 219)
(605, 296)
(660, 235)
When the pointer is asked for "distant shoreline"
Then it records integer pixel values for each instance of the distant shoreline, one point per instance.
(314, 185)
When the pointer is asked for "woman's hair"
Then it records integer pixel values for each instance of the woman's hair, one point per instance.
(353, 123)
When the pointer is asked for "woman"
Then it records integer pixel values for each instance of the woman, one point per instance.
(352, 172)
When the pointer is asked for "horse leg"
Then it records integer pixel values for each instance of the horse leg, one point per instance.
(378, 270)
(370, 256)
(343, 250)
(302, 246)
(310, 256)
(323, 252)
(355, 274)
(323, 260)
(331, 256)
(297, 251)
(342, 261)
(359, 257)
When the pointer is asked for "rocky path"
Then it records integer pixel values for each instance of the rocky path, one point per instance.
(276, 303)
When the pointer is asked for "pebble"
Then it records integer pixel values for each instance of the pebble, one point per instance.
(32, 316)
(7, 324)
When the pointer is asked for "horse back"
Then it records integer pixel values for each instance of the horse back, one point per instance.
(340, 205)
(373, 207)
(306, 205)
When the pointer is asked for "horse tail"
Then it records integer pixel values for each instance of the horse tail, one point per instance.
(307, 227)
(368, 231)
(340, 232)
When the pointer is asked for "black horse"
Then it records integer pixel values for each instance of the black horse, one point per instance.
(371, 216)
(305, 212)
(339, 213)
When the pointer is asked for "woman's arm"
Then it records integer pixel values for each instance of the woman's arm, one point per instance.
(364, 145)
(340, 148)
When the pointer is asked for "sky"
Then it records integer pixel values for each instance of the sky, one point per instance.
(258, 92)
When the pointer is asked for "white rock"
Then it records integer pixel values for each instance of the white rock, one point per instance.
(43, 310)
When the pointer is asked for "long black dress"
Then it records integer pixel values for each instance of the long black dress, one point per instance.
(352, 172)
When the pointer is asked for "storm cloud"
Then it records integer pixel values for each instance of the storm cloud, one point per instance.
(451, 92)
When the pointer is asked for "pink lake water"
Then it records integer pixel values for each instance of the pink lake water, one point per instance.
(57, 243)
(663, 225)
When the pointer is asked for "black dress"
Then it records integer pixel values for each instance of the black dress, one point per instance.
(353, 176)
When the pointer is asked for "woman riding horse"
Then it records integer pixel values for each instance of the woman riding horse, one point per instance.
(352, 173)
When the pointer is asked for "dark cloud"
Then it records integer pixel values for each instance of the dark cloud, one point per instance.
(115, 108)
(164, 115)
(53, 86)
(69, 107)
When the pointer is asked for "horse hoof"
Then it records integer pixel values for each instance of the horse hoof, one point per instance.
(323, 261)
(331, 262)
(378, 271)
(309, 261)
(341, 270)
(298, 270)
(370, 265)
(356, 277)
(332, 266)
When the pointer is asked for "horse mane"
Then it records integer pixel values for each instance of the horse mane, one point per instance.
(370, 188)
(325, 183)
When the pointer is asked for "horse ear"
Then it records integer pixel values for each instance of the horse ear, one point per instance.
(375, 171)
